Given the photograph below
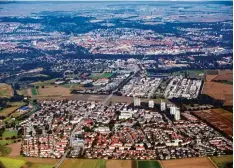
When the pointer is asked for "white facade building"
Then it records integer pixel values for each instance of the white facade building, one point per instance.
(162, 106)
(151, 104)
(137, 101)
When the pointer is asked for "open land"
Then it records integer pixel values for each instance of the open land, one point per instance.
(217, 120)
(202, 162)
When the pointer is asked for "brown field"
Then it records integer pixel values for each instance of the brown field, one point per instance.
(224, 77)
(202, 162)
(119, 164)
(217, 119)
(15, 149)
(219, 75)
(5, 90)
(52, 91)
(219, 91)
(226, 114)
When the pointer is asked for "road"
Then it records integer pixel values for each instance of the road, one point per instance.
(61, 160)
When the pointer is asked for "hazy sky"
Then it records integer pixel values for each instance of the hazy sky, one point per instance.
(116, 0)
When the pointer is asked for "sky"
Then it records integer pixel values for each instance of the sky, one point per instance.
(116, 0)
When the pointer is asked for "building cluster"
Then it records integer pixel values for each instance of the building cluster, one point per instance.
(145, 42)
(143, 87)
(176, 87)
(183, 87)
(118, 131)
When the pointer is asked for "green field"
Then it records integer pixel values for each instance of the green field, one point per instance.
(103, 75)
(4, 150)
(6, 142)
(222, 161)
(9, 134)
(83, 163)
(11, 163)
(148, 164)
(34, 91)
(38, 165)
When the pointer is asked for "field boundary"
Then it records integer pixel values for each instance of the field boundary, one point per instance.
(212, 162)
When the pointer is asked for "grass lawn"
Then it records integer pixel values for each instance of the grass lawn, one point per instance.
(5, 142)
(83, 163)
(11, 163)
(222, 161)
(9, 134)
(34, 91)
(148, 164)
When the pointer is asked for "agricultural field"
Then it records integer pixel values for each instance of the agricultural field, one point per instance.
(148, 164)
(34, 91)
(217, 120)
(201, 162)
(222, 161)
(219, 91)
(54, 91)
(83, 163)
(6, 90)
(45, 83)
(223, 113)
(11, 163)
(14, 106)
(119, 164)
(37, 165)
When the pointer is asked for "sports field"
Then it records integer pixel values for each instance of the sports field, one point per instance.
(12, 163)
(83, 163)
(149, 164)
